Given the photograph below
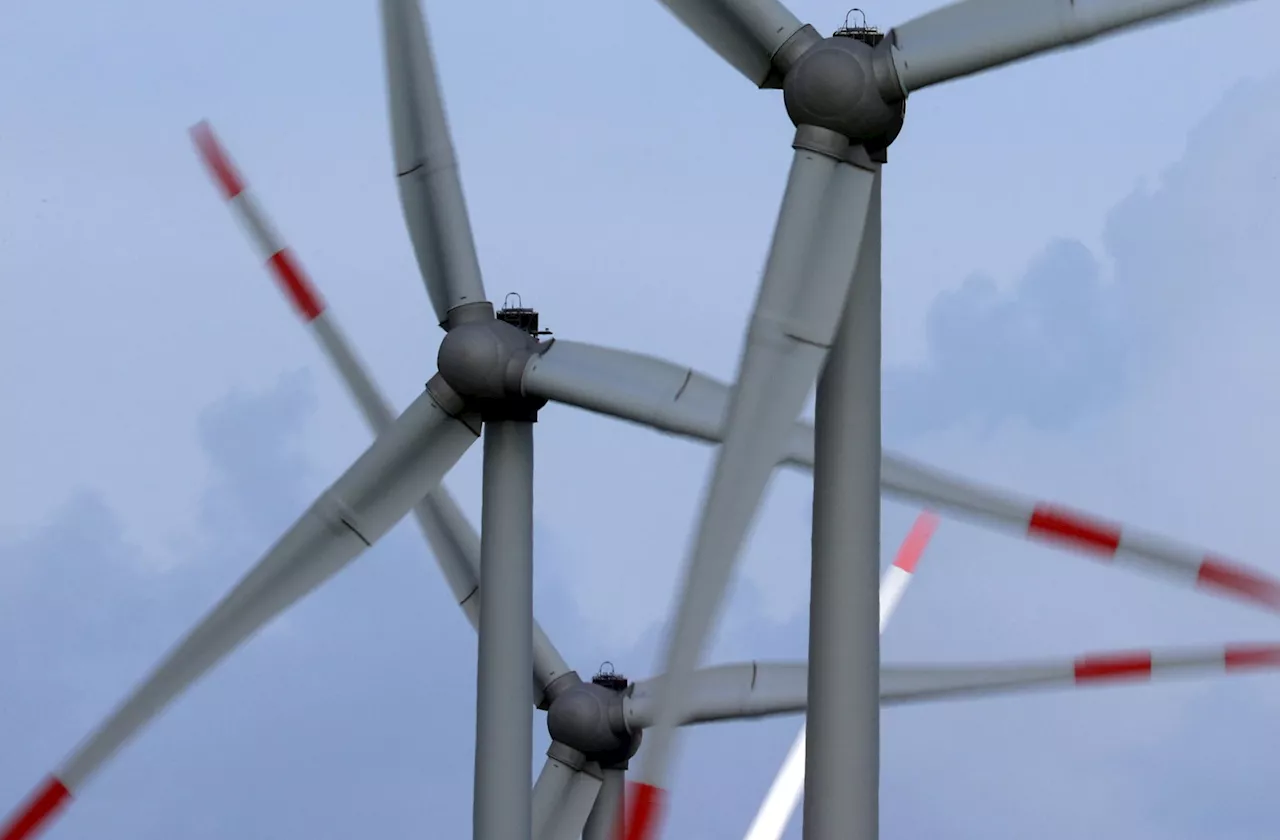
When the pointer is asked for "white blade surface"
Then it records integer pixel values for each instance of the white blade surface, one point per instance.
(645, 390)
(788, 786)
(745, 33)
(745, 690)
(568, 819)
(678, 400)
(974, 35)
(559, 772)
(453, 541)
(426, 164)
(400, 468)
(806, 280)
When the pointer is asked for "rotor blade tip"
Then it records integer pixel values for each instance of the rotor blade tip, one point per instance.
(216, 158)
(917, 540)
(1252, 656)
(1240, 581)
(644, 804)
(42, 806)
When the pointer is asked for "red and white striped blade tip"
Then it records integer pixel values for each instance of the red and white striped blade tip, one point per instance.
(1144, 663)
(36, 813)
(1089, 670)
(1107, 540)
(216, 158)
(286, 269)
(644, 805)
(916, 542)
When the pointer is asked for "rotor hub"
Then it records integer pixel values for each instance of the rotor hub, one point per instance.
(844, 84)
(484, 361)
(589, 718)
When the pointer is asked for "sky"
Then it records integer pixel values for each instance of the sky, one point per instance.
(1079, 263)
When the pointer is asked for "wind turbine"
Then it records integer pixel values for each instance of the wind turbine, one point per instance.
(494, 375)
(818, 312)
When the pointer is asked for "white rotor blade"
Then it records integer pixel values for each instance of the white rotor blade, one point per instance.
(745, 33)
(745, 690)
(903, 684)
(678, 400)
(559, 773)
(734, 691)
(975, 35)
(645, 390)
(435, 210)
(806, 280)
(788, 786)
(375, 493)
(1079, 531)
(569, 819)
(453, 541)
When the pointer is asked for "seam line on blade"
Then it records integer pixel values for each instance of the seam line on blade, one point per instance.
(688, 377)
(355, 531)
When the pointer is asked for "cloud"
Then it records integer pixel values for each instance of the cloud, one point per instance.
(1045, 352)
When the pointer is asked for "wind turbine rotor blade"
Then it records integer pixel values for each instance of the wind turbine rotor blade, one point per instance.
(904, 684)
(559, 772)
(680, 401)
(975, 35)
(788, 786)
(45, 803)
(745, 33)
(733, 691)
(806, 280)
(356, 511)
(1084, 533)
(605, 820)
(570, 819)
(435, 210)
(645, 390)
(453, 541)
(747, 690)
(280, 260)
(893, 585)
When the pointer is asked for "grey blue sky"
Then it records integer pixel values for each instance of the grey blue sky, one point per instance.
(1080, 302)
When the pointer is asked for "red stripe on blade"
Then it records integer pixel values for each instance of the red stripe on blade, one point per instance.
(38, 810)
(1063, 526)
(1252, 656)
(1113, 666)
(217, 160)
(296, 285)
(916, 542)
(1219, 574)
(644, 802)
